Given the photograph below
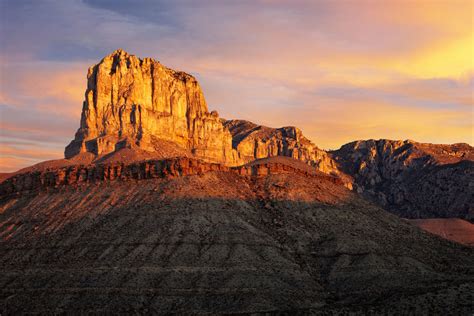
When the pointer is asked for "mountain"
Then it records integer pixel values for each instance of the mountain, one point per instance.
(137, 109)
(139, 104)
(185, 236)
(412, 179)
(131, 102)
(161, 207)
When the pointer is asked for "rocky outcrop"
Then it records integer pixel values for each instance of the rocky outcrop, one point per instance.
(254, 141)
(136, 101)
(412, 179)
(166, 168)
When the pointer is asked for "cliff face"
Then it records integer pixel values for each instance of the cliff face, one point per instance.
(39, 180)
(139, 103)
(132, 101)
(254, 141)
(412, 179)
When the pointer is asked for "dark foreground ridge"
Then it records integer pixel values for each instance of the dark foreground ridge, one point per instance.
(194, 237)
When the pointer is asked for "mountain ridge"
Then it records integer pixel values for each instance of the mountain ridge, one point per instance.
(162, 207)
(137, 109)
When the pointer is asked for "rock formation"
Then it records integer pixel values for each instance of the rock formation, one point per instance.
(139, 103)
(254, 141)
(412, 179)
(131, 101)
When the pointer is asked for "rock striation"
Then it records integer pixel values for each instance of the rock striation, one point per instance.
(166, 168)
(412, 179)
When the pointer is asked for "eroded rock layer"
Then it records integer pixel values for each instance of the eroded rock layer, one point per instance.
(166, 168)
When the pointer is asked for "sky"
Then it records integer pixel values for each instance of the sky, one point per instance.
(340, 70)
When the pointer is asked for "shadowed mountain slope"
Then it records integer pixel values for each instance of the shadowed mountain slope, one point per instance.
(188, 236)
(412, 179)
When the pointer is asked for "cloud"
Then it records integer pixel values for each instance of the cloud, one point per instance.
(340, 70)
(49, 86)
(35, 125)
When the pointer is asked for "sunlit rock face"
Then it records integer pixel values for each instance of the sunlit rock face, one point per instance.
(134, 101)
(254, 141)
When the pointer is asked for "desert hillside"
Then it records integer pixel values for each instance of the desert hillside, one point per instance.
(189, 236)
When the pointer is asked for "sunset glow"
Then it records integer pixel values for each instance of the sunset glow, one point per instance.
(339, 70)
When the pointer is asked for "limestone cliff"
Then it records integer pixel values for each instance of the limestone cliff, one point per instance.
(131, 101)
(140, 104)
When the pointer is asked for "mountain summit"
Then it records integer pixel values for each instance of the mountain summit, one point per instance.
(132, 102)
(139, 103)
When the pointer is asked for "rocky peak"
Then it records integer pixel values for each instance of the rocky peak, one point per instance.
(141, 100)
(139, 103)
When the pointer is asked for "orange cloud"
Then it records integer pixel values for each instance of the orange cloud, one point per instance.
(46, 86)
(14, 156)
(410, 63)
(349, 121)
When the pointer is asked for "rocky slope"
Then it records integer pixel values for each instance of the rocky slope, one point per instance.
(186, 236)
(412, 179)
